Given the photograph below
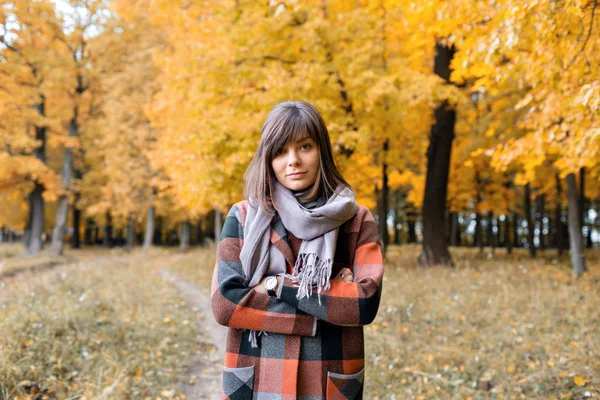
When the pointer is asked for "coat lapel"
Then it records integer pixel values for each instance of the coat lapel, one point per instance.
(280, 239)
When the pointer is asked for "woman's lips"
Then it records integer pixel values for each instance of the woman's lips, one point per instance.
(297, 175)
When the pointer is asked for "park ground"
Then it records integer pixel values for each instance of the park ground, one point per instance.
(111, 324)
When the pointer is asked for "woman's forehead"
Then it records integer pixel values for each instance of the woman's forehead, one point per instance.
(298, 140)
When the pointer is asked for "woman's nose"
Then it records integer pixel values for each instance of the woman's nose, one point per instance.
(293, 158)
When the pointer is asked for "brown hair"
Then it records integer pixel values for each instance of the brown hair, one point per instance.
(291, 120)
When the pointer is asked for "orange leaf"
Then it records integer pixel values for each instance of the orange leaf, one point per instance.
(579, 381)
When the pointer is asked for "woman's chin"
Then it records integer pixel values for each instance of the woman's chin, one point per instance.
(297, 185)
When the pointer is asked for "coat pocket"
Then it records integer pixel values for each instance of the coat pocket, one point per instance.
(238, 383)
(345, 387)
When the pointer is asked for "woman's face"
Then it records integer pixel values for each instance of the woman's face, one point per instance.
(296, 165)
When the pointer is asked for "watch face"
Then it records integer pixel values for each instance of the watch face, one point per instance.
(270, 283)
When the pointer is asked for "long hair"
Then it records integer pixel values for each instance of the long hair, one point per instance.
(291, 120)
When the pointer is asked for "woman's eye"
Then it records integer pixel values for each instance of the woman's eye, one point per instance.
(307, 146)
(279, 152)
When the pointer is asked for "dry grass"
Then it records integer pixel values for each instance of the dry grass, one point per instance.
(13, 259)
(106, 327)
(10, 250)
(493, 327)
(197, 266)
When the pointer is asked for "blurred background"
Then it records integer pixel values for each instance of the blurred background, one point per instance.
(471, 129)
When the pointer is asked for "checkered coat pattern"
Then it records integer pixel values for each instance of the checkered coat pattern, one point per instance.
(308, 351)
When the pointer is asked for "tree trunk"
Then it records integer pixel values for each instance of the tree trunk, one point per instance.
(199, 233)
(540, 206)
(119, 239)
(218, 225)
(507, 242)
(499, 233)
(396, 229)
(130, 233)
(76, 215)
(383, 204)
(530, 230)
(62, 210)
(6, 235)
(454, 230)
(480, 236)
(577, 257)
(477, 233)
(477, 240)
(149, 234)
(34, 229)
(559, 238)
(89, 229)
(35, 225)
(158, 239)
(172, 238)
(458, 229)
(584, 206)
(108, 229)
(76, 238)
(490, 230)
(435, 246)
(448, 222)
(186, 230)
(411, 222)
(397, 216)
(508, 185)
(589, 242)
(516, 241)
(581, 199)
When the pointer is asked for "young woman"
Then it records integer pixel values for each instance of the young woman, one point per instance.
(299, 270)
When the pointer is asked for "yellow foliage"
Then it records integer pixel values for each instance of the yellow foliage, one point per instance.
(176, 94)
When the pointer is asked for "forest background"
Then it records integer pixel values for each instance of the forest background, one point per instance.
(459, 123)
(479, 114)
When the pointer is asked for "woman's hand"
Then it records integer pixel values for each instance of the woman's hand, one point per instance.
(260, 288)
(345, 275)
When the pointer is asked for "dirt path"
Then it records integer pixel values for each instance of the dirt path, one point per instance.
(205, 370)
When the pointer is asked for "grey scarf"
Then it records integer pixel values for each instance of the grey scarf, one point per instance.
(317, 227)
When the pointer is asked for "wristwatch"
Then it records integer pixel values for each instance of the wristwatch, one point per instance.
(270, 285)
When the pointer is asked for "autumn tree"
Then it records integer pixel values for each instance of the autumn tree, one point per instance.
(30, 55)
(79, 69)
(546, 50)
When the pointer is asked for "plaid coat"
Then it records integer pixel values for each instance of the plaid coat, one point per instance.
(309, 351)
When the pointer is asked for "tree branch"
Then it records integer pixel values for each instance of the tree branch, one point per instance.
(589, 34)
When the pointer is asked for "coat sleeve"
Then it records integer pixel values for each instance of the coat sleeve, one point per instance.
(236, 305)
(348, 303)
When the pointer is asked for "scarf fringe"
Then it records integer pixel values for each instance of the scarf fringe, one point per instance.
(310, 272)
(252, 337)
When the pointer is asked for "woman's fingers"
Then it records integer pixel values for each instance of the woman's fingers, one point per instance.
(345, 275)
